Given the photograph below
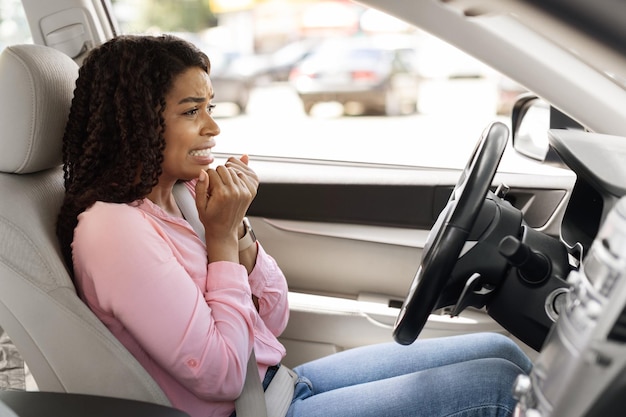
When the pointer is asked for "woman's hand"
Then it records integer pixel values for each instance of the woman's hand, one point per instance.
(223, 196)
(241, 166)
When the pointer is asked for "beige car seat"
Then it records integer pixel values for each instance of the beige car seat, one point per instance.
(64, 344)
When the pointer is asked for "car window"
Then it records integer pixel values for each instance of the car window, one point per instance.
(428, 110)
(13, 24)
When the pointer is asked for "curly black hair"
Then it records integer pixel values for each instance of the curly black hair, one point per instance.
(113, 143)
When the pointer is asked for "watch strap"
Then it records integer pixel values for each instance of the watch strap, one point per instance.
(248, 238)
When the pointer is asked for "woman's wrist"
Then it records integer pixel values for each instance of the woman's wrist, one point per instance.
(248, 238)
(248, 246)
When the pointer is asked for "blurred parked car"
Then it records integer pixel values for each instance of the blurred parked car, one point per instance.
(381, 77)
(276, 66)
(230, 85)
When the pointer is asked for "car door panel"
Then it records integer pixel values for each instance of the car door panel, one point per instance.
(342, 260)
(349, 240)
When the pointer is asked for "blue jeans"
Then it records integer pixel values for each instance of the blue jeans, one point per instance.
(458, 376)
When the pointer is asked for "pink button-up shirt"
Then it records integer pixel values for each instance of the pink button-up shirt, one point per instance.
(191, 324)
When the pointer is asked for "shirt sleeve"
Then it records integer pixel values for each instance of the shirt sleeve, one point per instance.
(269, 285)
(202, 336)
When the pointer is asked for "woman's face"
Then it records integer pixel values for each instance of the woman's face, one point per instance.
(189, 127)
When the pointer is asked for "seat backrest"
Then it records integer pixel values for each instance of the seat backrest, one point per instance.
(64, 344)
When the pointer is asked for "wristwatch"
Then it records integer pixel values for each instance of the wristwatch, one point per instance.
(248, 238)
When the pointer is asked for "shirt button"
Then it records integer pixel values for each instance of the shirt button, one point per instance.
(192, 363)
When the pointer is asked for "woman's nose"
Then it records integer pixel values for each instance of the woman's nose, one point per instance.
(209, 126)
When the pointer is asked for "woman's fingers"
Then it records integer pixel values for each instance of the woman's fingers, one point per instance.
(227, 186)
(202, 189)
(244, 172)
(225, 175)
(223, 196)
(240, 164)
(251, 183)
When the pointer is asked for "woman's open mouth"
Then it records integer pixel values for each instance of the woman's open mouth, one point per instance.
(202, 156)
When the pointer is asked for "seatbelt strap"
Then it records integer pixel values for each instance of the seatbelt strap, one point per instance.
(279, 394)
(187, 206)
(276, 399)
(251, 401)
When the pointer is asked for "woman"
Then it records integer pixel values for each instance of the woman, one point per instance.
(189, 307)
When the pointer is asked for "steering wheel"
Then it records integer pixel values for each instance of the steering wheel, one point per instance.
(449, 233)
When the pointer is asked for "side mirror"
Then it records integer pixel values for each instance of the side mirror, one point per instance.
(531, 119)
(530, 124)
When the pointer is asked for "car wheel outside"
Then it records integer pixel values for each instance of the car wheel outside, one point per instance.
(393, 103)
(308, 106)
(242, 103)
(411, 108)
(242, 107)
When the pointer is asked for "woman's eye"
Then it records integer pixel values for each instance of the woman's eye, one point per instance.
(210, 108)
(191, 112)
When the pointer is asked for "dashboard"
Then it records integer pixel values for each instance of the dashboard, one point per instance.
(598, 162)
(585, 351)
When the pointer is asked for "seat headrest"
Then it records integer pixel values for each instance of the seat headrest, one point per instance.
(37, 84)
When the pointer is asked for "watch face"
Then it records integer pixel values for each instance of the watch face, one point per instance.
(249, 230)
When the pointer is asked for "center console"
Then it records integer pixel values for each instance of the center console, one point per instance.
(581, 370)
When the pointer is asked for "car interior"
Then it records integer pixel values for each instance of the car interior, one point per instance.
(364, 247)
